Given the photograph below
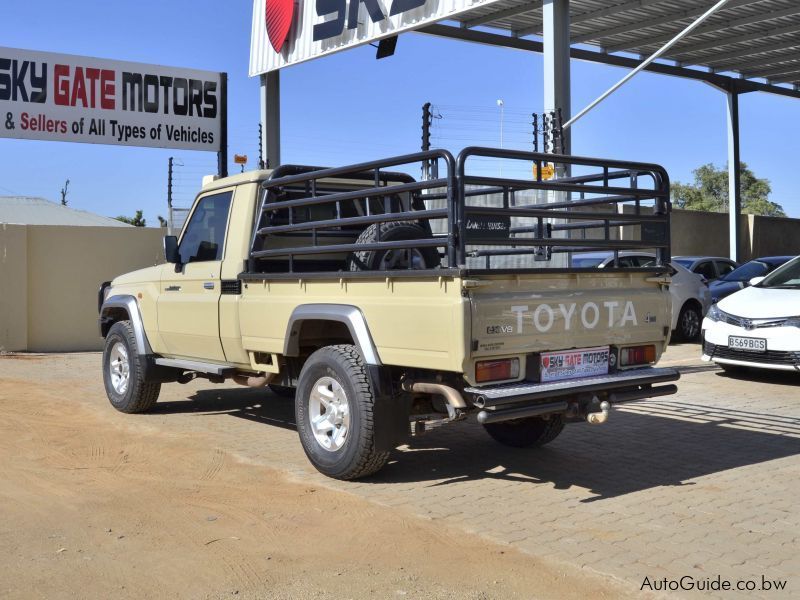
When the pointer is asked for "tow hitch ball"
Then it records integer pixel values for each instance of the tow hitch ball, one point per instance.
(598, 418)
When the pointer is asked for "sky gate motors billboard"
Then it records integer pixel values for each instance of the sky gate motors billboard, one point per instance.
(286, 32)
(58, 97)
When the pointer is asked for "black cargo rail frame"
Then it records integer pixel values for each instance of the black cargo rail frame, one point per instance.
(615, 183)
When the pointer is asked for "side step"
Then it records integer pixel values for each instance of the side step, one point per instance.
(197, 366)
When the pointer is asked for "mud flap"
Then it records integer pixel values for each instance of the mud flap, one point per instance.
(391, 412)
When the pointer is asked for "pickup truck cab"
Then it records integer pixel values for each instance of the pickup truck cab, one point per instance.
(387, 306)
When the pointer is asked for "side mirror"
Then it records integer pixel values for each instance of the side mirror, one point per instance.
(756, 280)
(171, 253)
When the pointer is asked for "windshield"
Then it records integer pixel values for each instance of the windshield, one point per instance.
(747, 271)
(587, 263)
(684, 262)
(787, 277)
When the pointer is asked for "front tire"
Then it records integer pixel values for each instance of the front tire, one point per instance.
(334, 409)
(525, 433)
(123, 377)
(689, 322)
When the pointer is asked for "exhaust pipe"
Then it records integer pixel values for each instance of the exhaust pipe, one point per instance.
(254, 381)
(455, 402)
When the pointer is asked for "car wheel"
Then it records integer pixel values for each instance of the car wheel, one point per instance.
(689, 323)
(123, 376)
(387, 260)
(334, 410)
(524, 433)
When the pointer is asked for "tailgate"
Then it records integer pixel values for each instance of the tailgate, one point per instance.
(536, 313)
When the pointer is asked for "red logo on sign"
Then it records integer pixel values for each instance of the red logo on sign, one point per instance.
(279, 20)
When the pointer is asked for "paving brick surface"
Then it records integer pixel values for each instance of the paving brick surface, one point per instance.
(700, 484)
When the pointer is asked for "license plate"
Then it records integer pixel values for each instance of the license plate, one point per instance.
(574, 364)
(746, 343)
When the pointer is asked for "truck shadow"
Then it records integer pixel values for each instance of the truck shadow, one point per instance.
(783, 378)
(644, 445)
(251, 404)
(655, 443)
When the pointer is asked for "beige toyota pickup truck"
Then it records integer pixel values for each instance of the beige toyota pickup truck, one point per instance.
(387, 306)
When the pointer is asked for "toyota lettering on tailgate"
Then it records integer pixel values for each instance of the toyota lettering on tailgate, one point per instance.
(589, 315)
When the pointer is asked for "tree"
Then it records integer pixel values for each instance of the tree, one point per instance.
(137, 220)
(710, 192)
(162, 222)
(64, 193)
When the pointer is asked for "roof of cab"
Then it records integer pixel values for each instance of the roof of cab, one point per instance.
(237, 179)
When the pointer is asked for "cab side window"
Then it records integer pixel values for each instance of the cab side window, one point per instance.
(725, 268)
(706, 269)
(204, 236)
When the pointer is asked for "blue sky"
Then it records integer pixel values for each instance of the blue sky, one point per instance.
(349, 107)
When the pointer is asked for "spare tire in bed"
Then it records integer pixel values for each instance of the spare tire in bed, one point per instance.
(391, 259)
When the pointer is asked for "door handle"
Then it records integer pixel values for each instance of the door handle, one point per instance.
(208, 285)
(172, 288)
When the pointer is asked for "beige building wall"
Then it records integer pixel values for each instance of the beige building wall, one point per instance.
(773, 236)
(704, 233)
(49, 277)
(13, 287)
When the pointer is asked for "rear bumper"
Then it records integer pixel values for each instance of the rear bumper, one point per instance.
(519, 400)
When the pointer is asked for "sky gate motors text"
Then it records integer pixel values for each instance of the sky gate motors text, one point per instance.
(88, 87)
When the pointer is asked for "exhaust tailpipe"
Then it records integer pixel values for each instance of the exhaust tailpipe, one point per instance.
(455, 402)
(254, 381)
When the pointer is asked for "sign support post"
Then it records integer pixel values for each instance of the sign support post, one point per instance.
(222, 155)
(271, 118)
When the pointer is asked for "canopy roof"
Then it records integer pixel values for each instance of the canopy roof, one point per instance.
(754, 41)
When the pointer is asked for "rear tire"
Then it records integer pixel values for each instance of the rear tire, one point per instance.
(123, 377)
(386, 260)
(525, 433)
(334, 410)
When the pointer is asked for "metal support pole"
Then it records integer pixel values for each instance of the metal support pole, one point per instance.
(556, 62)
(271, 118)
(427, 120)
(222, 155)
(734, 177)
(260, 146)
(169, 196)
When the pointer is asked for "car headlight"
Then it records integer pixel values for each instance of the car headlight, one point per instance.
(714, 313)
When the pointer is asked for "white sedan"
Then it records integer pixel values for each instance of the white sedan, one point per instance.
(758, 326)
(691, 297)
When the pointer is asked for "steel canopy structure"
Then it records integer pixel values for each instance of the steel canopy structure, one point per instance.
(746, 46)
(751, 39)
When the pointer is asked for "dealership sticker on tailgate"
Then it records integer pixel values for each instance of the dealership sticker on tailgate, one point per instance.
(573, 364)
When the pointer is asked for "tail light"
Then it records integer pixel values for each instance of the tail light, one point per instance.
(637, 355)
(496, 370)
